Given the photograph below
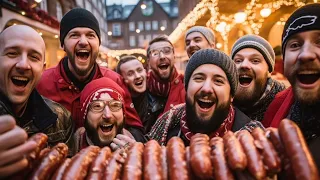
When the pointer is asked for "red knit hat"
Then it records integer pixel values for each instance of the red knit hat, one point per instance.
(93, 91)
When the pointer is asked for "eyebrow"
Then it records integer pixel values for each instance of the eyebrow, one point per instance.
(18, 48)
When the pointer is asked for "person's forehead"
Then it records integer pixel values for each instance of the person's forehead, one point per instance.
(82, 29)
(160, 44)
(23, 38)
(210, 70)
(194, 35)
(132, 64)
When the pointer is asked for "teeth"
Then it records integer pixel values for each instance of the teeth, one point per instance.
(106, 126)
(20, 78)
(308, 73)
(205, 100)
(244, 76)
(83, 50)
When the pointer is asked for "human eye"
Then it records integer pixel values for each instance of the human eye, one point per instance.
(35, 57)
(91, 35)
(139, 70)
(198, 78)
(12, 54)
(238, 60)
(155, 53)
(187, 42)
(255, 61)
(97, 105)
(197, 40)
(130, 73)
(294, 44)
(167, 50)
(115, 105)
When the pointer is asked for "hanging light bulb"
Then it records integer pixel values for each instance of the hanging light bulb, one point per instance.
(240, 17)
(221, 26)
(265, 12)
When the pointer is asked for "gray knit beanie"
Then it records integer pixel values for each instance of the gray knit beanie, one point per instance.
(216, 57)
(206, 32)
(258, 43)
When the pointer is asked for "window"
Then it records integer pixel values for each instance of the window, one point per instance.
(59, 11)
(132, 41)
(116, 29)
(164, 24)
(131, 26)
(148, 37)
(43, 5)
(148, 25)
(116, 14)
(141, 40)
(154, 25)
(140, 25)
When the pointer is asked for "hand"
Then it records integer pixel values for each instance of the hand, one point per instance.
(13, 147)
(121, 141)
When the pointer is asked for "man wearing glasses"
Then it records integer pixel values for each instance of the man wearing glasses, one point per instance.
(104, 116)
(165, 84)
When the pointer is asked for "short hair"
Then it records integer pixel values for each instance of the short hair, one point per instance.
(123, 60)
(158, 39)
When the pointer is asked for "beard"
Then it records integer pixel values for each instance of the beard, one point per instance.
(246, 97)
(304, 96)
(92, 133)
(81, 71)
(197, 124)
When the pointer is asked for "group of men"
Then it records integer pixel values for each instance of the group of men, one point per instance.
(82, 104)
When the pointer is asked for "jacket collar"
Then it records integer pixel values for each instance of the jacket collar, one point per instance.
(240, 120)
(41, 114)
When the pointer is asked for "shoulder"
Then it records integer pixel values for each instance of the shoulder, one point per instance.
(64, 120)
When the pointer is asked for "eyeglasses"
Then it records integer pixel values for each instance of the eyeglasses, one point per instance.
(164, 50)
(98, 106)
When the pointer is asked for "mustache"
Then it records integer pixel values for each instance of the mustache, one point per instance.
(209, 96)
(246, 72)
(194, 48)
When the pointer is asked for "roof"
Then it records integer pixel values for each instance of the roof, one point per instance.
(171, 8)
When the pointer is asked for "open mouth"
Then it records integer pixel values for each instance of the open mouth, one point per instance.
(138, 83)
(163, 66)
(19, 81)
(205, 104)
(82, 54)
(245, 80)
(106, 128)
(308, 78)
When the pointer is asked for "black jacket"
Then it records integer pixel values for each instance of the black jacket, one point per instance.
(43, 115)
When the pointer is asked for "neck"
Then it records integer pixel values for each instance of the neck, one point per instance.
(80, 78)
(19, 109)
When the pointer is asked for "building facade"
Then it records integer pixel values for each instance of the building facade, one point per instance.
(133, 26)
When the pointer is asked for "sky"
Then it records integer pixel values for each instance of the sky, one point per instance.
(126, 2)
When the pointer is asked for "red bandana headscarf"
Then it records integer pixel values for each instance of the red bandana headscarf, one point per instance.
(95, 89)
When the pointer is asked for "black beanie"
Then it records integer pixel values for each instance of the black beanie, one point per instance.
(78, 17)
(303, 19)
(216, 57)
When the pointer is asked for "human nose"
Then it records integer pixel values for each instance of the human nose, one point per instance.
(307, 53)
(245, 64)
(207, 86)
(137, 75)
(107, 112)
(23, 62)
(83, 40)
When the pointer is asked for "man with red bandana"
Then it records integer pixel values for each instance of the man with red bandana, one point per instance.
(103, 112)
(80, 39)
(301, 56)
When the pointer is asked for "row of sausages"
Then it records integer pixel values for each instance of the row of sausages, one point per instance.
(241, 155)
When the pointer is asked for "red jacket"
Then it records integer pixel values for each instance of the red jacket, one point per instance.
(177, 94)
(55, 85)
(279, 108)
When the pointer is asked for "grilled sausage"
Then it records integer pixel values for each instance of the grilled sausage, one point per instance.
(176, 159)
(235, 155)
(132, 168)
(152, 161)
(99, 164)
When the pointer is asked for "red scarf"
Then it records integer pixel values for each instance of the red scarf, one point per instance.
(159, 87)
(225, 126)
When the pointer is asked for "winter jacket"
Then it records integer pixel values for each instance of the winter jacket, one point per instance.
(55, 85)
(43, 115)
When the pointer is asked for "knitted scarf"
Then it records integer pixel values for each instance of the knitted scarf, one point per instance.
(256, 112)
(224, 127)
(307, 118)
(160, 87)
